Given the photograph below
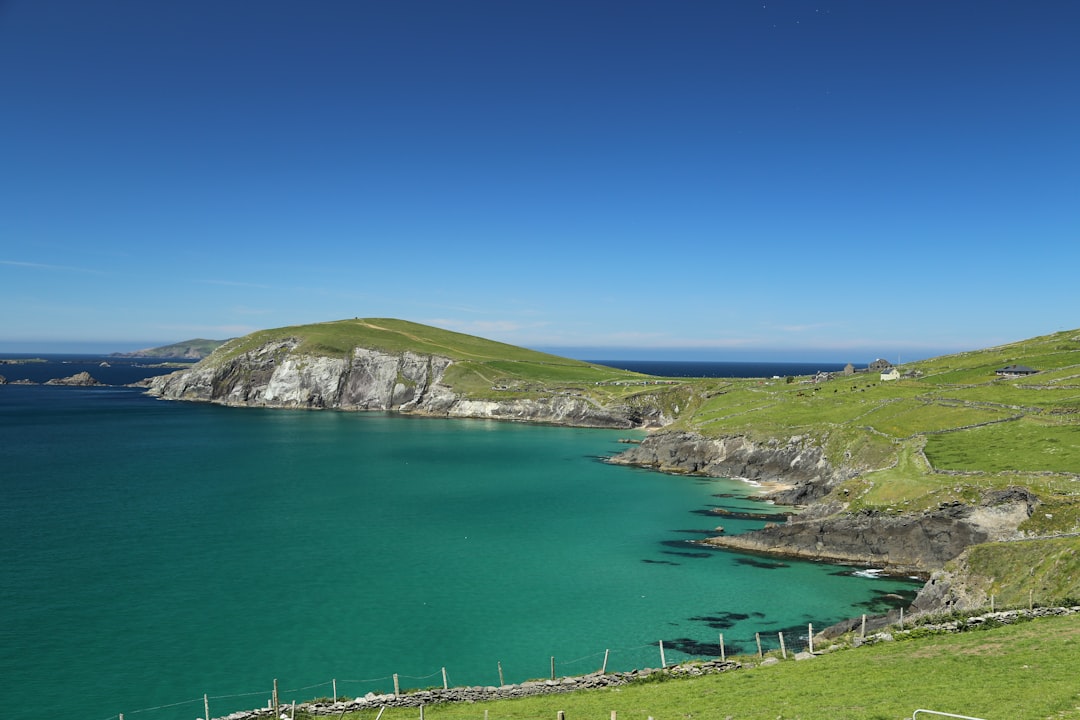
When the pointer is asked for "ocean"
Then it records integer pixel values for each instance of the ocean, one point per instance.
(155, 552)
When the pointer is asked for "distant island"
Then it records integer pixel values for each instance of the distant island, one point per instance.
(195, 349)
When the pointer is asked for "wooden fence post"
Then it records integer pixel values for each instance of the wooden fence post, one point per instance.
(397, 686)
(552, 667)
(663, 662)
(561, 715)
(444, 685)
(501, 681)
(862, 633)
(810, 636)
(334, 681)
(783, 649)
(421, 712)
(205, 704)
(723, 652)
(757, 637)
(277, 709)
(603, 668)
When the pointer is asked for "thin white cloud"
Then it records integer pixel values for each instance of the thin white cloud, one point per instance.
(46, 266)
(216, 332)
(809, 327)
(482, 327)
(235, 283)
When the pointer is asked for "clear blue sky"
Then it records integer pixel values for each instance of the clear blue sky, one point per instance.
(719, 179)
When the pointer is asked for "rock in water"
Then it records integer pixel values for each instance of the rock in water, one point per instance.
(83, 379)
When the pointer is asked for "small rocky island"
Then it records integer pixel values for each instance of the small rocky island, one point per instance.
(83, 379)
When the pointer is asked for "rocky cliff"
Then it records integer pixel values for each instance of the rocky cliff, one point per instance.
(275, 375)
(796, 462)
(824, 529)
(910, 543)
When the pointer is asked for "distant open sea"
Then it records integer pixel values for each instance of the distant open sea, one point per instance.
(152, 552)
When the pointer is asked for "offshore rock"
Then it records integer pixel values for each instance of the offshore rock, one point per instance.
(274, 375)
(83, 379)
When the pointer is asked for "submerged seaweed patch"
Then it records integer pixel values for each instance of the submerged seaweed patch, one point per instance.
(722, 620)
(884, 600)
(697, 648)
(762, 564)
(687, 554)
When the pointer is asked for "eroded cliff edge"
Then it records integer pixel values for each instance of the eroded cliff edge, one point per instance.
(276, 375)
(825, 529)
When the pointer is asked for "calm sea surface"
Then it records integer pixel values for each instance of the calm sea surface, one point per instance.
(153, 552)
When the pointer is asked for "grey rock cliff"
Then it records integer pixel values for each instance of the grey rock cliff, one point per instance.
(919, 542)
(275, 375)
(797, 462)
(824, 529)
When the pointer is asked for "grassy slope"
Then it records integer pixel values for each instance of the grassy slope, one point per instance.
(200, 346)
(1027, 670)
(950, 432)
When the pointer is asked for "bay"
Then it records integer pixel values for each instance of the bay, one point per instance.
(156, 551)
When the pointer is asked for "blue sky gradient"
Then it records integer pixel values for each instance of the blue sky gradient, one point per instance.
(701, 180)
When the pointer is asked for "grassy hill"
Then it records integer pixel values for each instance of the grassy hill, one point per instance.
(193, 349)
(483, 369)
(949, 429)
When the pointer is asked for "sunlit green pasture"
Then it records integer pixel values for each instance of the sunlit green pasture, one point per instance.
(1025, 670)
(1024, 445)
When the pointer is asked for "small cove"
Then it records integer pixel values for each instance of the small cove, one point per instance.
(154, 552)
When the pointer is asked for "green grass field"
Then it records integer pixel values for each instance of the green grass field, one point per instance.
(1021, 671)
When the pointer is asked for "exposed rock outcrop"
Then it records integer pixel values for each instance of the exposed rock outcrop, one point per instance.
(275, 375)
(825, 530)
(917, 543)
(797, 462)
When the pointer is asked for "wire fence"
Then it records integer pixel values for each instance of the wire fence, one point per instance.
(780, 643)
(651, 655)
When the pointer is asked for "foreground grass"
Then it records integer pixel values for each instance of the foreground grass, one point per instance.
(1020, 671)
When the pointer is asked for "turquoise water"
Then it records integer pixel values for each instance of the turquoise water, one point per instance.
(154, 552)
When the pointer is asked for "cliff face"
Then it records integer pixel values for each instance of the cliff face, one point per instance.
(274, 375)
(796, 462)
